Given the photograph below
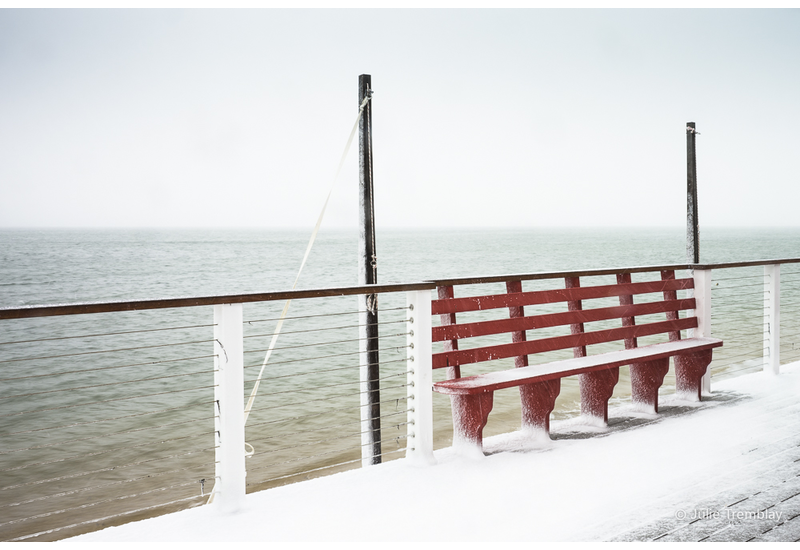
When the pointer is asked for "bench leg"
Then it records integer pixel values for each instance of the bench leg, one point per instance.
(596, 389)
(689, 371)
(538, 401)
(646, 378)
(470, 413)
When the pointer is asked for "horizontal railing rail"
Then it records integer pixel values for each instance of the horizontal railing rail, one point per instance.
(194, 301)
(166, 303)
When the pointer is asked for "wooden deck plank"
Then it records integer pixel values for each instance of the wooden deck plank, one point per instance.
(764, 478)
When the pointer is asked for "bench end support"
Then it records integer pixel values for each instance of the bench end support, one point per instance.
(538, 401)
(470, 413)
(646, 378)
(596, 389)
(689, 372)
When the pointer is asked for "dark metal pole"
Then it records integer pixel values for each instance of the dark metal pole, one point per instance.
(368, 275)
(692, 225)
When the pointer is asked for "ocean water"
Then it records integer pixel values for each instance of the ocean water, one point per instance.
(77, 265)
(102, 414)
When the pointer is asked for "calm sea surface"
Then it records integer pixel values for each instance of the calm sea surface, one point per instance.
(107, 413)
(64, 266)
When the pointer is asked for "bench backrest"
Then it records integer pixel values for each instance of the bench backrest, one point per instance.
(522, 324)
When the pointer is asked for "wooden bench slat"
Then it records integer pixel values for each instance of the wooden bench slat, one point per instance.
(499, 326)
(517, 299)
(502, 351)
(558, 369)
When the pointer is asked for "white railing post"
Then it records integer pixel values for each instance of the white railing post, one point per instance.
(772, 318)
(702, 296)
(229, 486)
(419, 445)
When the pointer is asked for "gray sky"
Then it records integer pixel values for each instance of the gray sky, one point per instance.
(481, 117)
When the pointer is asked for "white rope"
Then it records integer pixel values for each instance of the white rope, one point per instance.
(278, 327)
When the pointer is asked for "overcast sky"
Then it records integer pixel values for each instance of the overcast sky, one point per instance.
(481, 118)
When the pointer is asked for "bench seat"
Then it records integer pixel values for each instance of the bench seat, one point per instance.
(492, 381)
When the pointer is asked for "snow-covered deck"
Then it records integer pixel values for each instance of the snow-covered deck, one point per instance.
(725, 469)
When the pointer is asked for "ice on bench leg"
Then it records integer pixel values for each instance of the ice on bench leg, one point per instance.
(646, 378)
(470, 413)
(596, 389)
(538, 401)
(689, 371)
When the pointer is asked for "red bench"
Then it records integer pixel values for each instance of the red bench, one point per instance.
(539, 385)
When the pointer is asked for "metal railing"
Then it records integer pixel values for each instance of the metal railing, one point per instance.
(755, 311)
(101, 413)
(789, 313)
(306, 417)
(113, 412)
